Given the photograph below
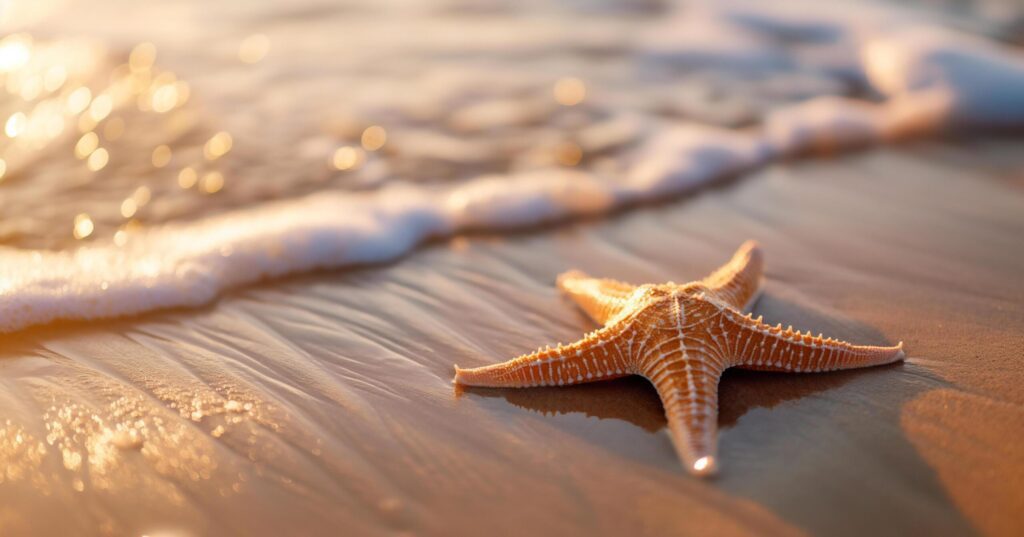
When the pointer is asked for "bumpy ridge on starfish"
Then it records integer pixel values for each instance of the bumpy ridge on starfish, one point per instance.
(595, 357)
(763, 347)
(681, 338)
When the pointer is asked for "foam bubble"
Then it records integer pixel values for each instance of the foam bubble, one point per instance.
(982, 81)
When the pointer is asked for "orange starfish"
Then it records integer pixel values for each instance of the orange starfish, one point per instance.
(681, 338)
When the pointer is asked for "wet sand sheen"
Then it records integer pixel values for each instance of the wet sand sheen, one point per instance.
(324, 403)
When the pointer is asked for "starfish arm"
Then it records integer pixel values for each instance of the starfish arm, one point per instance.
(598, 356)
(751, 344)
(738, 282)
(688, 387)
(602, 299)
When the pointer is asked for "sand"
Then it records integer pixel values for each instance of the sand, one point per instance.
(323, 404)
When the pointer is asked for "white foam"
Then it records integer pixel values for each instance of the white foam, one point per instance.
(928, 79)
(981, 81)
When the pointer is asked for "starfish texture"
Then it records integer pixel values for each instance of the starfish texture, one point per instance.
(681, 338)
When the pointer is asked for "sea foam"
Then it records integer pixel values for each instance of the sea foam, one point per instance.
(928, 80)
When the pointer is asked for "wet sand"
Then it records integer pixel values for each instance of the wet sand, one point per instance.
(324, 404)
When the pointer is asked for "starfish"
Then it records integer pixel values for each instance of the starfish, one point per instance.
(681, 338)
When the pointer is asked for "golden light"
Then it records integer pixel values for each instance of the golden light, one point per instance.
(213, 182)
(101, 107)
(161, 156)
(142, 195)
(568, 154)
(374, 138)
(86, 145)
(98, 159)
(165, 77)
(187, 178)
(183, 90)
(15, 51)
(120, 237)
(347, 158)
(254, 48)
(79, 100)
(140, 84)
(55, 78)
(218, 145)
(131, 225)
(142, 57)
(570, 91)
(128, 208)
(15, 124)
(164, 98)
(3, 168)
(83, 226)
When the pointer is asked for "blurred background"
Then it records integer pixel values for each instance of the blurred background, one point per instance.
(118, 115)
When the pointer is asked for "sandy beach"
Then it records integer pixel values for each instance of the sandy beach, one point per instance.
(325, 402)
(243, 246)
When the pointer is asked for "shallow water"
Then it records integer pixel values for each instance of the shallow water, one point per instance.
(468, 120)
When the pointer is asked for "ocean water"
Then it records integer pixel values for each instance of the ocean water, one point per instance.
(154, 156)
